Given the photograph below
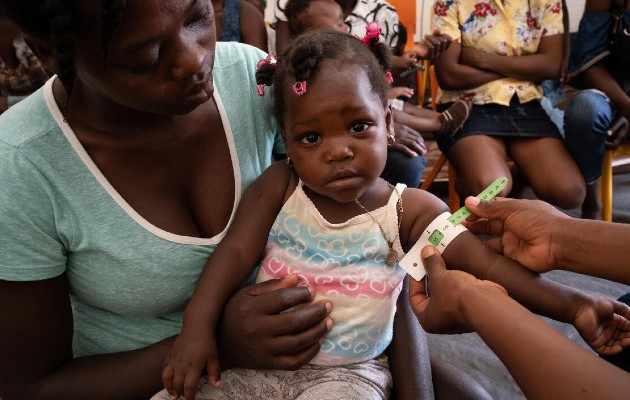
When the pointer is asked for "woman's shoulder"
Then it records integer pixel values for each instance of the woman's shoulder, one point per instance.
(27, 120)
(229, 54)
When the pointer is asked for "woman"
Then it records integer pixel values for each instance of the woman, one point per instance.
(117, 181)
(500, 52)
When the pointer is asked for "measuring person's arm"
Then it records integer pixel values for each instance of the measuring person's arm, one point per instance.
(544, 363)
(602, 322)
(542, 238)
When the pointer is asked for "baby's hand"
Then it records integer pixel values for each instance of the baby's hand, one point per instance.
(194, 348)
(604, 324)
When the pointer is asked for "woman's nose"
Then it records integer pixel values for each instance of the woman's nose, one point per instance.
(189, 61)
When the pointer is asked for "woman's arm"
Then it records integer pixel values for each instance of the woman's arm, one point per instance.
(542, 238)
(253, 30)
(544, 64)
(36, 347)
(598, 77)
(544, 363)
(455, 75)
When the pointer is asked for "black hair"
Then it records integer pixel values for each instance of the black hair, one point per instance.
(292, 11)
(56, 21)
(301, 60)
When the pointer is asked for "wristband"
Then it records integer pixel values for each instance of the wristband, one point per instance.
(440, 233)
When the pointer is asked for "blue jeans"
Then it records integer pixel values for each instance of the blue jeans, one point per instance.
(586, 122)
(400, 168)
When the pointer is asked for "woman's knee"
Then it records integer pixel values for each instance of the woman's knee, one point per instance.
(566, 194)
(589, 112)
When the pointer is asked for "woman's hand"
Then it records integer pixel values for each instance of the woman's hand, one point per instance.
(398, 91)
(442, 312)
(473, 57)
(604, 324)
(617, 132)
(261, 329)
(523, 230)
(432, 46)
(408, 140)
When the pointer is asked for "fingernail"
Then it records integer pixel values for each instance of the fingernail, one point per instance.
(329, 324)
(328, 307)
(428, 251)
(473, 201)
(311, 291)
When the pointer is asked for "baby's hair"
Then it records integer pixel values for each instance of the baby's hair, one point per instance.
(55, 20)
(301, 60)
(293, 10)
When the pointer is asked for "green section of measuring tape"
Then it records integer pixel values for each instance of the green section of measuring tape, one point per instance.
(487, 194)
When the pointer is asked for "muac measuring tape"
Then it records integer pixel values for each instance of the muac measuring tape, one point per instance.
(442, 230)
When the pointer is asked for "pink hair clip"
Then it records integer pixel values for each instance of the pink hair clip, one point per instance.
(267, 60)
(299, 87)
(372, 31)
(271, 60)
(388, 77)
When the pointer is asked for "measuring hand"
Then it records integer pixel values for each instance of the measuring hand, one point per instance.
(442, 230)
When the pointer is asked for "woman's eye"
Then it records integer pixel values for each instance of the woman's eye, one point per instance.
(310, 138)
(201, 17)
(359, 126)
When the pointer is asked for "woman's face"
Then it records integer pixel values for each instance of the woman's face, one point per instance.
(159, 59)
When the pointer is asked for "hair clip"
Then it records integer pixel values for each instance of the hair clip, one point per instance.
(388, 77)
(372, 34)
(271, 60)
(267, 60)
(299, 87)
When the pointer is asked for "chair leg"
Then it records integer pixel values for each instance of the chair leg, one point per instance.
(435, 170)
(606, 186)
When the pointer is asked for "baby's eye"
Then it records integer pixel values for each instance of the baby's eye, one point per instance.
(309, 138)
(359, 126)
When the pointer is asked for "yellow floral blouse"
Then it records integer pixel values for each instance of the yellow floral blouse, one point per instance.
(508, 27)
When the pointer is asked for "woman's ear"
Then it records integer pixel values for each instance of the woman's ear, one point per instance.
(44, 51)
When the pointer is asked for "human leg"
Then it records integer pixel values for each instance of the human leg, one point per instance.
(479, 160)
(369, 380)
(586, 122)
(549, 169)
(400, 168)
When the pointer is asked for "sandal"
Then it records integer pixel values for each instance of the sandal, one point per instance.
(453, 118)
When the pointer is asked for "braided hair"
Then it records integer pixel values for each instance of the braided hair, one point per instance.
(301, 61)
(56, 21)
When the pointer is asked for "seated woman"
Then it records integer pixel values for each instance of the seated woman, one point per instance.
(596, 119)
(499, 52)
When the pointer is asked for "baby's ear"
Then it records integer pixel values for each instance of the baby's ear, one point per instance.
(43, 50)
(389, 120)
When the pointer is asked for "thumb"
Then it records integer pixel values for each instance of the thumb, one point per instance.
(432, 260)
(491, 209)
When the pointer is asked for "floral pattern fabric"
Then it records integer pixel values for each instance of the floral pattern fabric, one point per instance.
(509, 27)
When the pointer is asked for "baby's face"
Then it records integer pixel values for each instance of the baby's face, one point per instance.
(325, 14)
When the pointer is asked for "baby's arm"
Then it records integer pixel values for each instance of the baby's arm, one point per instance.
(229, 264)
(594, 317)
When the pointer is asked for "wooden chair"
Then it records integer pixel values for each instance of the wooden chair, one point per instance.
(606, 183)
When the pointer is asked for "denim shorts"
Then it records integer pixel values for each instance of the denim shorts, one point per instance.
(527, 120)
